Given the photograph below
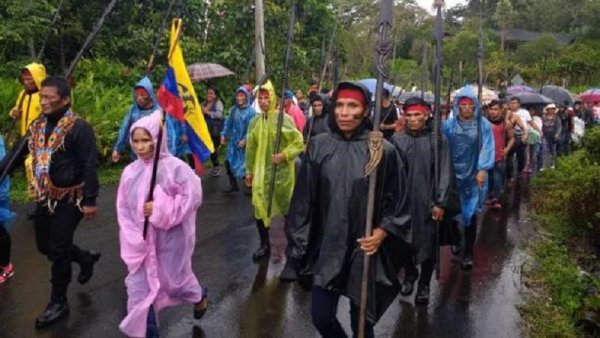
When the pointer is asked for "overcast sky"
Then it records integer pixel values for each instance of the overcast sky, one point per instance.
(449, 3)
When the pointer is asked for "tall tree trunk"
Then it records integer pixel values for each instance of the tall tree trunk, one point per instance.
(31, 44)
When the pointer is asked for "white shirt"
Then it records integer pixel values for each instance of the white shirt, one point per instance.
(525, 117)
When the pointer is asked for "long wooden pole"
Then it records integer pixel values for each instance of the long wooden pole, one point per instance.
(382, 51)
(437, 121)
(90, 38)
(56, 14)
(284, 84)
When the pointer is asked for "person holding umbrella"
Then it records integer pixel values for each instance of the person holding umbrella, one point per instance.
(327, 218)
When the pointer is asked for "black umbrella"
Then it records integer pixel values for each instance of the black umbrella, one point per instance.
(560, 95)
(531, 98)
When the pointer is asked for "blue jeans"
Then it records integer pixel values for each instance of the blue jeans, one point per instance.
(534, 158)
(323, 312)
(550, 145)
(496, 179)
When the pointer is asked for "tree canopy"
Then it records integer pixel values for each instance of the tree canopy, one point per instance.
(222, 31)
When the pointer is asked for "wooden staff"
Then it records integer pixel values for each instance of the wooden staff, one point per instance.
(284, 85)
(383, 49)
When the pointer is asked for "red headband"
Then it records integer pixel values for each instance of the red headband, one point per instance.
(418, 107)
(141, 91)
(465, 100)
(350, 93)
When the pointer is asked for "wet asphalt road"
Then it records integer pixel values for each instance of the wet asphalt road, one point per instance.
(246, 299)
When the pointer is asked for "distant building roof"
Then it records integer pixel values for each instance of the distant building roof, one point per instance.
(524, 35)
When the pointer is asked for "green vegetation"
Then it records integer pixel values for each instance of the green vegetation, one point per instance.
(565, 300)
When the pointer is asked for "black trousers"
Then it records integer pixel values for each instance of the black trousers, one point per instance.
(520, 149)
(5, 244)
(54, 237)
(324, 315)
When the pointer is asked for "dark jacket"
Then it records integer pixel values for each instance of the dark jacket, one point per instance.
(72, 164)
(418, 149)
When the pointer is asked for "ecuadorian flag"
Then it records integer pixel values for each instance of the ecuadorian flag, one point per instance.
(178, 98)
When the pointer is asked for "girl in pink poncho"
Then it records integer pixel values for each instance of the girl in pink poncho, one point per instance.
(160, 267)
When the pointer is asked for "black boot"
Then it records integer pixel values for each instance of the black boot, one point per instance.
(53, 313)
(422, 296)
(411, 274)
(470, 236)
(455, 248)
(87, 267)
(233, 186)
(265, 249)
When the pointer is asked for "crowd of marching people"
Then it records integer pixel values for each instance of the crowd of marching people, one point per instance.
(312, 171)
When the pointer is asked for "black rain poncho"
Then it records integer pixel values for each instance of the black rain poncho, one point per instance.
(328, 214)
(418, 149)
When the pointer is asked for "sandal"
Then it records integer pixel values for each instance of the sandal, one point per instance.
(201, 307)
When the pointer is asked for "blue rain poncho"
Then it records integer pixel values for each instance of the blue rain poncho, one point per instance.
(174, 128)
(235, 130)
(467, 158)
(6, 215)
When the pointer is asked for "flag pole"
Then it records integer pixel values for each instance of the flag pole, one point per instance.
(383, 49)
(160, 137)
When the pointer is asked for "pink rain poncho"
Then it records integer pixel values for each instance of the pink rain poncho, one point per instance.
(160, 267)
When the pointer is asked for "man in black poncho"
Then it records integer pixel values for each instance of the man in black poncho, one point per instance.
(317, 124)
(326, 222)
(427, 206)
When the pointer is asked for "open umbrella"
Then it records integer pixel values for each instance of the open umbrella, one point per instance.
(533, 98)
(427, 96)
(372, 83)
(560, 95)
(591, 95)
(487, 93)
(206, 71)
(519, 89)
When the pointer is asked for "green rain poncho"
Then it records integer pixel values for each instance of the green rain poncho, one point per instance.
(259, 149)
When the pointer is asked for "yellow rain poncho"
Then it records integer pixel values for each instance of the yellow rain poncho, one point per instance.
(29, 104)
(259, 149)
(31, 108)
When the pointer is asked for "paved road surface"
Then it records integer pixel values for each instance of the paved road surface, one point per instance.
(247, 299)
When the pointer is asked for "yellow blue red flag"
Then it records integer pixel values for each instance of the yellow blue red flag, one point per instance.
(178, 98)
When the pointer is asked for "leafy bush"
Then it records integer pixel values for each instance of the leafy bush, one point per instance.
(591, 144)
(571, 192)
(566, 300)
